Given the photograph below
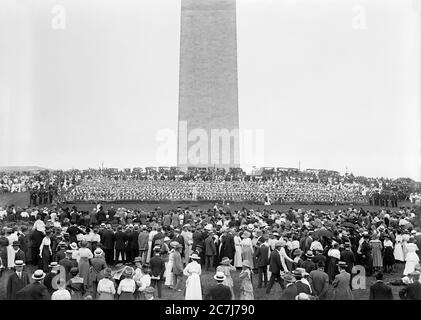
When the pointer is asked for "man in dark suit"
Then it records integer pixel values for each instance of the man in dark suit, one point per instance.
(301, 286)
(17, 280)
(348, 256)
(35, 239)
(157, 265)
(379, 290)
(290, 292)
(275, 267)
(413, 290)
(107, 241)
(120, 244)
(68, 263)
(262, 261)
(308, 263)
(48, 280)
(19, 254)
(210, 251)
(36, 290)
(320, 281)
(227, 246)
(219, 291)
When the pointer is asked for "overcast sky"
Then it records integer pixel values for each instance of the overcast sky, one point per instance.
(325, 92)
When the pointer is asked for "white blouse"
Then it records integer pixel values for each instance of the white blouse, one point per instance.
(106, 286)
(126, 285)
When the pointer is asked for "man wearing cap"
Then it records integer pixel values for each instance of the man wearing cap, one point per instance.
(17, 280)
(49, 278)
(35, 290)
(219, 291)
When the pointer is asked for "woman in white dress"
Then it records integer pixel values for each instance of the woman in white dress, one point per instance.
(12, 237)
(412, 258)
(193, 271)
(238, 260)
(169, 278)
(405, 239)
(398, 251)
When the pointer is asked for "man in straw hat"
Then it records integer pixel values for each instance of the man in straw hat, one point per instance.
(219, 291)
(49, 278)
(290, 291)
(412, 291)
(17, 280)
(342, 291)
(35, 290)
(178, 266)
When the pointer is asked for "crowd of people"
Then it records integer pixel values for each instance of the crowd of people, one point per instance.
(290, 186)
(281, 192)
(133, 254)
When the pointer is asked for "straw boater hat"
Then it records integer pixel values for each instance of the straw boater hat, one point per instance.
(246, 234)
(38, 275)
(194, 256)
(288, 277)
(98, 252)
(19, 263)
(175, 244)
(246, 263)
(219, 276)
(309, 254)
(138, 259)
(342, 264)
(225, 261)
(53, 264)
(73, 246)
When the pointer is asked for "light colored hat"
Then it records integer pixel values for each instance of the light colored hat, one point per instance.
(250, 227)
(167, 239)
(225, 260)
(302, 296)
(247, 264)
(194, 256)
(19, 263)
(38, 275)
(73, 246)
(175, 244)
(98, 251)
(219, 276)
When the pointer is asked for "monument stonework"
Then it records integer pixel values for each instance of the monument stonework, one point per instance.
(208, 85)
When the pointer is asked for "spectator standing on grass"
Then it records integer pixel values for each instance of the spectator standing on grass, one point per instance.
(246, 287)
(17, 280)
(219, 291)
(193, 271)
(412, 291)
(379, 290)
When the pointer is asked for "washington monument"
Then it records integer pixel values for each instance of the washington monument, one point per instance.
(208, 87)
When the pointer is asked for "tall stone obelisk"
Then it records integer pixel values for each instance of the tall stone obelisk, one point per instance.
(208, 88)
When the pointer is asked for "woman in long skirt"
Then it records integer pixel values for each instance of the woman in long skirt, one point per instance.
(412, 258)
(12, 237)
(45, 252)
(238, 260)
(226, 268)
(405, 239)
(169, 277)
(85, 255)
(398, 251)
(127, 286)
(388, 257)
(246, 288)
(193, 271)
(376, 251)
(106, 287)
(247, 248)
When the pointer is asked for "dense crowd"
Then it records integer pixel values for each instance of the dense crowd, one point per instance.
(283, 192)
(132, 254)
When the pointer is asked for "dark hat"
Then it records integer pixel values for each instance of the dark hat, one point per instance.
(309, 254)
(149, 290)
(74, 271)
(16, 244)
